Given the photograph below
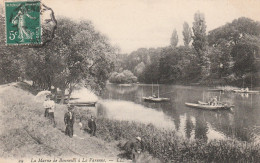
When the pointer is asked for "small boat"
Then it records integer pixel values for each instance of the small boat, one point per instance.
(244, 91)
(216, 90)
(206, 106)
(155, 99)
(83, 104)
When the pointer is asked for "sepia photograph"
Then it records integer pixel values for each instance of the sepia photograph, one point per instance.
(122, 81)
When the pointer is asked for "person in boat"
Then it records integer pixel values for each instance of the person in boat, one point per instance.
(134, 148)
(214, 101)
(154, 96)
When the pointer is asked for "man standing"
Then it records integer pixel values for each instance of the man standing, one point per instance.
(69, 121)
(92, 125)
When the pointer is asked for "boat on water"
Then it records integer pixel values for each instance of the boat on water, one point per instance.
(244, 91)
(216, 90)
(155, 99)
(206, 106)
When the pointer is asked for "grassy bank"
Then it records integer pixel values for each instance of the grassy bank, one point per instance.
(26, 133)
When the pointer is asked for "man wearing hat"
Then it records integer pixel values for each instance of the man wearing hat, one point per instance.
(133, 148)
(69, 121)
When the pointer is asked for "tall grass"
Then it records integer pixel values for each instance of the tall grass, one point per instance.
(169, 147)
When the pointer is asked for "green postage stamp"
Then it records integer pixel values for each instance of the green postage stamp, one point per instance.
(23, 22)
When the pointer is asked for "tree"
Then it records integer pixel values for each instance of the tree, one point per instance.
(174, 39)
(78, 55)
(237, 44)
(187, 34)
(200, 43)
(139, 69)
(11, 62)
(124, 77)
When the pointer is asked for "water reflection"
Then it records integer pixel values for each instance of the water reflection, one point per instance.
(188, 122)
(125, 110)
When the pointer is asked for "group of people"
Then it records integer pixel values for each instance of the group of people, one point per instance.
(69, 117)
(213, 101)
(132, 147)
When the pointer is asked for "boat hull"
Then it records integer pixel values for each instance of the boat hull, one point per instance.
(243, 91)
(207, 107)
(152, 99)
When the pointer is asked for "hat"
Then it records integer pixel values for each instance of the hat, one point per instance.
(70, 106)
(138, 138)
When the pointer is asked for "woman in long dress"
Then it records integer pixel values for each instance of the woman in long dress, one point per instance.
(19, 19)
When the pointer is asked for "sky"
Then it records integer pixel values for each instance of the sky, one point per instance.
(133, 24)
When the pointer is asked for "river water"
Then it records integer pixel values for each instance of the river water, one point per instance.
(124, 102)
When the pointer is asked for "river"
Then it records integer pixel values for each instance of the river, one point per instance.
(124, 102)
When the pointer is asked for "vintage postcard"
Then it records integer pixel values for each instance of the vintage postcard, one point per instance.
(146, 81)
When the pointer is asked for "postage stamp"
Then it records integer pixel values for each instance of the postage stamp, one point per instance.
(23, 22)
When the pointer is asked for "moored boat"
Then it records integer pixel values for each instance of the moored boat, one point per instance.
(244, 91)
(155, 99)
(204, 105)
(216, 90)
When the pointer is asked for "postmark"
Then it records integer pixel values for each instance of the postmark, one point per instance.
(23, 22)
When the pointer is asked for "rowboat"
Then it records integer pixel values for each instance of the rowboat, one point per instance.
(206, 106)
(216, 90)
(155, 99)
(244, 91)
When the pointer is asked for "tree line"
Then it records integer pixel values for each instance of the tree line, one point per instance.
(228, 54)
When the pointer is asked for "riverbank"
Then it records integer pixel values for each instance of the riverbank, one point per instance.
(26, 133)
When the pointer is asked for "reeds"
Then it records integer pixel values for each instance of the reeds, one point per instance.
(169, 147)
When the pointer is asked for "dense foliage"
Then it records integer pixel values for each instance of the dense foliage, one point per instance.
(124, 77)
(78, 54)
(229, 54)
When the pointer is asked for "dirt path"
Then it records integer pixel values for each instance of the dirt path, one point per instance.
(27, 133)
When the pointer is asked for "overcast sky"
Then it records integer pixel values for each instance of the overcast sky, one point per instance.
(132, 24)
